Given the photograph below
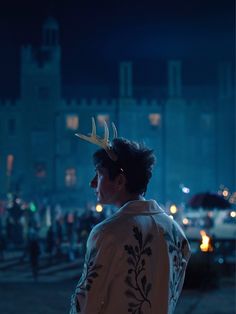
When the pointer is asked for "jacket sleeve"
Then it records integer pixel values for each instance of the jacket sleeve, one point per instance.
(92, 289)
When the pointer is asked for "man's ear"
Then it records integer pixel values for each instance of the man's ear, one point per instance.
(121, 181)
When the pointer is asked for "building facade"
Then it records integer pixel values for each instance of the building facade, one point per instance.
(192, 131)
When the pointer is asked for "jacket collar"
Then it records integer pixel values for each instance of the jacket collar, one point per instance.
(141, 207)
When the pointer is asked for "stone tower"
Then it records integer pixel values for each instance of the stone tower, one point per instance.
(40, 68)
(40, 97)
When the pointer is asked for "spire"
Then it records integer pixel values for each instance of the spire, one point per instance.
(50, 33)
(126, 84)
(174, 78)
(225, 80)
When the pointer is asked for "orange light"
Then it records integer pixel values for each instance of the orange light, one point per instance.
(155, 119)
(206, 245)
(225, 193)
(101, 118)
(72, 121)
(10, 160)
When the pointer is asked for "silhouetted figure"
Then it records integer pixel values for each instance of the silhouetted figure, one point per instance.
(2, 246)
(32, 233)
(59, 237)
(209, 222)
(69, 226)
(14, 226)
(34, 252)
(50, 243)
(83, 229)
(2, 241)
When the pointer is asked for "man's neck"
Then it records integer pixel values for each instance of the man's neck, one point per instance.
(128, 198)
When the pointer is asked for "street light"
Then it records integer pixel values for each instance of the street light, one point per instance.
(225, 193)
(184, 188)
(185, 221)
(173, 209)
(233, 214)
(99, 208)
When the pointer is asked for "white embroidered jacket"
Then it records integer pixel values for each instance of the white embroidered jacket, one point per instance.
(135, 263)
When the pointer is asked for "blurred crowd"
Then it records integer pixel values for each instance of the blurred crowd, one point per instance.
(46, 231)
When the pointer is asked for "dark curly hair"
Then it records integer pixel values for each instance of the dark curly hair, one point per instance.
(134, 160)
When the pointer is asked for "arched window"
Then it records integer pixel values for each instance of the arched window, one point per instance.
(154, 119)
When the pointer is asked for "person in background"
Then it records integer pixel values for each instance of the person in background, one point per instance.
(50, 244)
(34, 253)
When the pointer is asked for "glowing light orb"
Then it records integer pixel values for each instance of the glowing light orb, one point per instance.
(185, 221)
(206, 245)
(233, 214)
(173, 209)
(99, 208)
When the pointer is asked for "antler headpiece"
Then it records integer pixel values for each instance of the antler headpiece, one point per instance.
(102, 142)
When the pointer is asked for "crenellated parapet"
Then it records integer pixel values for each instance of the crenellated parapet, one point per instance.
(144, 102)
(92, 103)
(200, 103)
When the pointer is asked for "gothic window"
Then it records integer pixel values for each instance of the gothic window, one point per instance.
(155, 119)
(72, 121)
(101, 118)
(10, 161)
(70, 177)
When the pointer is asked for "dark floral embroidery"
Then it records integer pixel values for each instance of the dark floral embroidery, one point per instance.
(176, 249)
(139, 288)
(89, 274)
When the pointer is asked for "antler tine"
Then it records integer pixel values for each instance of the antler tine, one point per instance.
(102, 142)
(90, 138)
(106, 132)
(93, 128)
(115, 134)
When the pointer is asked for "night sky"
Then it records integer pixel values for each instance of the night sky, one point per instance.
(96, 35)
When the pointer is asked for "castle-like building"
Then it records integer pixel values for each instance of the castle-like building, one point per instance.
(193, 134)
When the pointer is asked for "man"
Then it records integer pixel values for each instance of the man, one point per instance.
(136, 259)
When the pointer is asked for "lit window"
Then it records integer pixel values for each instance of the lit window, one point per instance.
(72, 121)
(101, 118)
(70, 177)
(154, 119)
(10, 160)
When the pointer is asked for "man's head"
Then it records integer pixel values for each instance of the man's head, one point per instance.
(129, 175)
